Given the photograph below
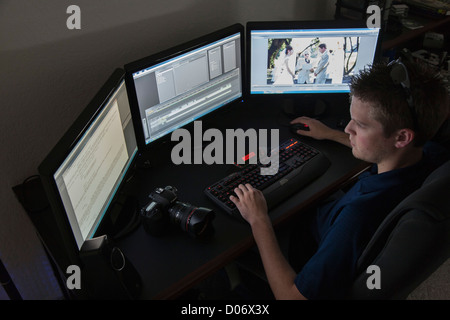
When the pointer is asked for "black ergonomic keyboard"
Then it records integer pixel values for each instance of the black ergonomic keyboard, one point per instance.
(299, 164)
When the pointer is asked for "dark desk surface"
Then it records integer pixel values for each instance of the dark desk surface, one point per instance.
(175, 262)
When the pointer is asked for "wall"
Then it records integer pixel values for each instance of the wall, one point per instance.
(49, 73)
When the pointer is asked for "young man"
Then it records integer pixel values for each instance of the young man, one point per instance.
(321, 71)
(389, 128)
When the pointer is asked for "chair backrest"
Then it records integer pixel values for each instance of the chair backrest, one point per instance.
(410, 244)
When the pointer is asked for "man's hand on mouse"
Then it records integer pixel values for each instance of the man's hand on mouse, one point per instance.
(317, 129)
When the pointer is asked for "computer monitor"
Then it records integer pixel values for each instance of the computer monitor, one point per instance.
(307, 57)
(173, 88)
(84, 173)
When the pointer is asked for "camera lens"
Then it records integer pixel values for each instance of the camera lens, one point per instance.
(194, 220)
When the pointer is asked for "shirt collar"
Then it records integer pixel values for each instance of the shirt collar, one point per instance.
(371, 181)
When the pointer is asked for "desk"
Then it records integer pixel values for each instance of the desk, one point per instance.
(172, 264)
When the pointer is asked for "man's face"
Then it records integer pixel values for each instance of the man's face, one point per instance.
(322, 50)
(366, 134)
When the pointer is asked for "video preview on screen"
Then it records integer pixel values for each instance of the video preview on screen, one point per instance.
(307, 61)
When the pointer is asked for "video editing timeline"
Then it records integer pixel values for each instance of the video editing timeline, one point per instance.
(180, 90)
(347, 51)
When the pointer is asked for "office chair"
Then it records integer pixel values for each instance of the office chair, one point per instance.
(411, 243)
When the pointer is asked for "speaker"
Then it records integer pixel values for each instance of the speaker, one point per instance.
(106, 272)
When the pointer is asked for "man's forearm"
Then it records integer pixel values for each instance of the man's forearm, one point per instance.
(320, 131)
(253, 208)
(280, 274)
(340, 137)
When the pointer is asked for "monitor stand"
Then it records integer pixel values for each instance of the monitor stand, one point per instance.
(123, 217)
(311, 106)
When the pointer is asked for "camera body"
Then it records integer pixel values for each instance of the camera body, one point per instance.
(164, 209)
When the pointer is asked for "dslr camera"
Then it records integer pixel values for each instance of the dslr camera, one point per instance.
(164, 210)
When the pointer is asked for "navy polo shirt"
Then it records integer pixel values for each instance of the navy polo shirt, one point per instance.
(342, 228)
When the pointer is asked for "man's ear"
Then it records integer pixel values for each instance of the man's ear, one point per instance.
(404, 137)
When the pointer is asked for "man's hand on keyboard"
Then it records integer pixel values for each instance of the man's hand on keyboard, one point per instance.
(251, 203)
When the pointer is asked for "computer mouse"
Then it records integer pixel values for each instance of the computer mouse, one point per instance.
(299, 126)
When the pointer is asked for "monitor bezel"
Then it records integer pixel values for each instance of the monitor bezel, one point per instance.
(59, 153)
(171, 53)
(293, 25)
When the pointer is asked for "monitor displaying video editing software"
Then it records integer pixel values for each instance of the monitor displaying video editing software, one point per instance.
(307, 57)
(175, 87)
(85, 170)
